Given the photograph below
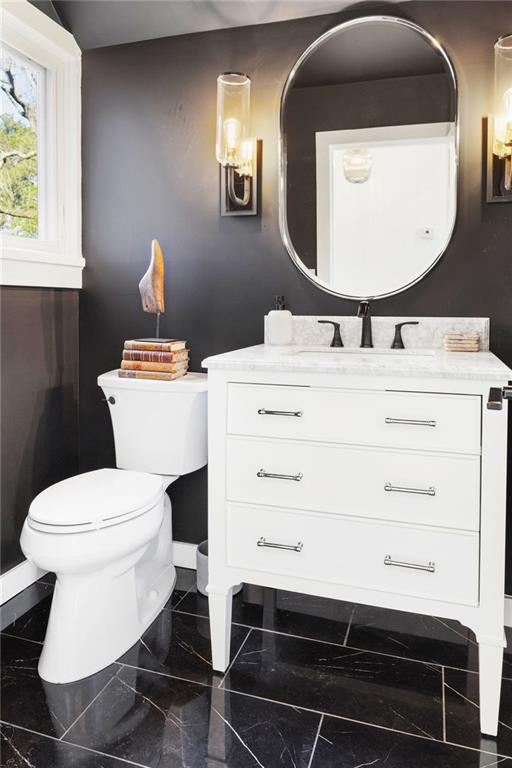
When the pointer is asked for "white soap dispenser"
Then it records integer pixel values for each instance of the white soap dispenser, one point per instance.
(279, 325)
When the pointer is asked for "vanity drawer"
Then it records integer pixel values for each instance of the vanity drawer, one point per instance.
(413, 487)
(418, 420)
(420, 562)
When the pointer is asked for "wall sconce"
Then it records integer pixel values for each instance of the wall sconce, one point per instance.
(236, 152)
(499, 126)
(357, 165)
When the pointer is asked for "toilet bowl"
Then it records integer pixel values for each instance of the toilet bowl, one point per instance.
(107, 534)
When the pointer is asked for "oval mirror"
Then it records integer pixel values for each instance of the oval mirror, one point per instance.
(368, 187)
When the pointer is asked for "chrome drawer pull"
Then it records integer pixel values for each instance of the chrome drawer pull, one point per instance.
(400, 489)
(431, 567)
(414, 422)
(262, 542)
(264, 412)
(298, 477)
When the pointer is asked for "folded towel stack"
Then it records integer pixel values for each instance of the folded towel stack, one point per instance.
(458, 341)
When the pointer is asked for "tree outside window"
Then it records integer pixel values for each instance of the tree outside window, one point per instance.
(20, 84)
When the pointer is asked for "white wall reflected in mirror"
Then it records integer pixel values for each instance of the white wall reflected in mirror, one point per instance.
(388, 229)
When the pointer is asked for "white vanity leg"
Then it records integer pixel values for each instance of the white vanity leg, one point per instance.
(491, 665)
(220, 601)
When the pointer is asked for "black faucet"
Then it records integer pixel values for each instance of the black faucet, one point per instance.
(363, 311)
(398, 342)
(336, 338)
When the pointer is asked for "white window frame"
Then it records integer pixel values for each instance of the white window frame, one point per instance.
(55, 261)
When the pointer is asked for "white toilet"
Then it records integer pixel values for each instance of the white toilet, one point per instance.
(107, 534)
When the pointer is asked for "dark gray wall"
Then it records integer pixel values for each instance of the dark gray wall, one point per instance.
(39, 401)
(150, 171)
(38, 396)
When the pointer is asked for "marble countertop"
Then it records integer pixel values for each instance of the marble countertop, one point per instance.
(434, 363)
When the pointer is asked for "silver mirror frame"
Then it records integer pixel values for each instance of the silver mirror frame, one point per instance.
(283, 221)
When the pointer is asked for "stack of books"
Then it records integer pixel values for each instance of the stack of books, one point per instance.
(164, 359)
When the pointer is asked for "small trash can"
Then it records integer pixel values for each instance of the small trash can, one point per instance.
(202, 569)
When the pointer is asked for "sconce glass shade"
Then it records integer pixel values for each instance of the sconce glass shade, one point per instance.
(357, 165)
(233, 110)
(502, 146)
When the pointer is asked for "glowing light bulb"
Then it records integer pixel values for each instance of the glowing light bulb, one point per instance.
(245, 157)
(232, 132)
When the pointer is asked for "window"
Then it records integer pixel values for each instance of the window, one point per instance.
(22, 85)
(40, 176)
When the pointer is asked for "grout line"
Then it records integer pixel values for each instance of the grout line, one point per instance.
(87, 707)
(272, 701)
(234, 659)
(430, 739)
(72, 744)
(327, 642)
(349, 625)
(342, 645)
(316, 740)
(173, 607)
(443, 699)
(165, 674)
(350, 647)
(23, 639)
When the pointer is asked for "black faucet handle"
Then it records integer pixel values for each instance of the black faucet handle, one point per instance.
(363, 309)
(336, 338)
(398, 342)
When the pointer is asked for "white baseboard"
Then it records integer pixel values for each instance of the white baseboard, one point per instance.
(184, 554)
(508, 610)
(15, 580)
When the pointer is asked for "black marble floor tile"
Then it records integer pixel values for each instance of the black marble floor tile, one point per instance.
(19, 605)
(438, 641)
(462, 711)
(178, 644)
(32, 624)
(185, 579)
(28, 701)
(343, 744)
(294, 614)
(158, 721)
(22, 749)
(48, 578)
(376, 689)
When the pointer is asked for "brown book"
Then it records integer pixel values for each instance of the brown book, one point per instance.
(137, 365)
(147, 356)
(156, 375)
(156, 345)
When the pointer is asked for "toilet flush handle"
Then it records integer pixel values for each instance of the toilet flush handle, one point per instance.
(110, 400)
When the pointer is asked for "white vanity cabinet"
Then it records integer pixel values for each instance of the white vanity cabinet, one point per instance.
(377, 488)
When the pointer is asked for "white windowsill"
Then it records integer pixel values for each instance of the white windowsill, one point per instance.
(42, 274)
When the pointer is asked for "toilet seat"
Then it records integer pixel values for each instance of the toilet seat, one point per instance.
(94, 500)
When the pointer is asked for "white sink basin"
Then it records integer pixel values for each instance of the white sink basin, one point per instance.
(418, 354)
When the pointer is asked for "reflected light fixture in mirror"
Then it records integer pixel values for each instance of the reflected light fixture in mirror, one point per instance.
(502, 139)
(357, 165)
(235, 150)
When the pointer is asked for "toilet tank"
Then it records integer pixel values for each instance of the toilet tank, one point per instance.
(159, 426)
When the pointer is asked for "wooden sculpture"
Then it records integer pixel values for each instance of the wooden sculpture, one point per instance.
(151, 286)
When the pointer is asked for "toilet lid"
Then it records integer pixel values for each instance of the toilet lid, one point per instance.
(94, 497)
